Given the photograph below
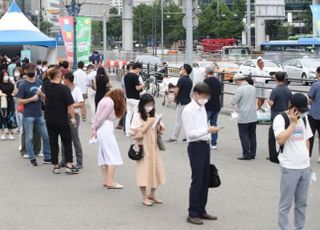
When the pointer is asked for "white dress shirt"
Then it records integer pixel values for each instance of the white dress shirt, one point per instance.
(195, 122)
(81, 80)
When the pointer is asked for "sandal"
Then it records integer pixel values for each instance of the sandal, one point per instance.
(71, 170)
(148, 204)
(155, 200)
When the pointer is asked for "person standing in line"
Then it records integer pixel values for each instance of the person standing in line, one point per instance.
(92, 73)
(102, 85)
(121, 124)
(150, 171)
(11, 67)
(314, 114)
(294, 161)
(280, 96)
(8, 119)
(213, 106)
(81, 80)
(245, 101)
(182, 94)
(133, 88)
(195, 123)
(259, 82)
(29, 96)
(78, 103)
(109, 156)
(58, 108)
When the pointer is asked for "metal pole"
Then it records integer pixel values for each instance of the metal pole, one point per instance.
(38, 19)
(248, 23)
(75, 61)
(105, 34)
(189, 28)
(162, 29)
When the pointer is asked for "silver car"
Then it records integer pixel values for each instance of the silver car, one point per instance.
(301, 70)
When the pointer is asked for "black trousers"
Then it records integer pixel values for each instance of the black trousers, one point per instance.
(315, 126)
(248, 138)
(66, 139)
(199, 155)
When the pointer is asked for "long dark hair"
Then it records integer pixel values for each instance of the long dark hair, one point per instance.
(145, 99)
(101, 72)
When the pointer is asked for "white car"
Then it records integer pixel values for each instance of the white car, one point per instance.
(248, 67)
(304, 70)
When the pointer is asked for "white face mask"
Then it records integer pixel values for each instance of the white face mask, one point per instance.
(44, 69)
(148, 109)
(202, 102)
(16, 74)
(11, 79)
(6, 78)
(302, 115)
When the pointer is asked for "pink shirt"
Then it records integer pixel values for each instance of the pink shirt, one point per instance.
(105, 111)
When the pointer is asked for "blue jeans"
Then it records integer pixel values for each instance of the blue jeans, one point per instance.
(213, 118)
(29, 123)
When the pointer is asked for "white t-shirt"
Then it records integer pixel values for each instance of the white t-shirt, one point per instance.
(91, 77)
(260, 72)
(77, 97)
(295, 152)
(81, 80)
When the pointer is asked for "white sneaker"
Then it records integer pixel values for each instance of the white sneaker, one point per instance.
(213, 147)
(40, 154)
(20, 148)
(25, 156)
(3, 137)
(11, 137)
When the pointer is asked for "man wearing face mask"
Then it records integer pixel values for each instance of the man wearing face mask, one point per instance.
(182, 97)
(29, 95)
(245, 100)
(292, 131)
(195, 123)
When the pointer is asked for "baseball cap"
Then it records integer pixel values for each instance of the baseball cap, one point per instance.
(260, 58)
(300, 101)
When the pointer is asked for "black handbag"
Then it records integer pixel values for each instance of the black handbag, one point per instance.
(136, 155)
(214, 178)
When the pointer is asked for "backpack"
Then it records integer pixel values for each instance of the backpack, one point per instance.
(273, 152)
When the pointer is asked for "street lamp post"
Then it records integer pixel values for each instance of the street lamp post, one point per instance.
(73, 10)
(162, 29)
(38, 18)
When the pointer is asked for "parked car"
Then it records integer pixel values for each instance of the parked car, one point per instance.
(228, 68)
(304, 70)
(249, 66)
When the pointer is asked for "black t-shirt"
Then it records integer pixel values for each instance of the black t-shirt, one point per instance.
(58, 98)
(281, 96)
(185, 85)
(215, 88)
(131, 80)
(7, 88)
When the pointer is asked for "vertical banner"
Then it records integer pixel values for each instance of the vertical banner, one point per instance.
(67, 27)
(315, 8)
(83, 38)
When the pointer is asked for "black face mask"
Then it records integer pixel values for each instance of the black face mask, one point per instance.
(31, 75)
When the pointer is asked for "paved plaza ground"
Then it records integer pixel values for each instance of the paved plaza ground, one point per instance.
(32, 198)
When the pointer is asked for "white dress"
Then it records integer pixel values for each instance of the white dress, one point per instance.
(108, 152)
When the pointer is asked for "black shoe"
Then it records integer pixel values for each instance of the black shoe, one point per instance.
(184, 139)
(78, 166)
(34, 162)
(208, 217)
(195, 220)
(46, 161)
(62, 165)
(244, 159)
(71, 170)
(170, 140)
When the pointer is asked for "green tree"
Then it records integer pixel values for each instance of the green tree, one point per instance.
(114, 26)
(221, 22)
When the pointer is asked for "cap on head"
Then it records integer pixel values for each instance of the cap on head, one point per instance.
(239, 77)
(300, 101)
(259, 58)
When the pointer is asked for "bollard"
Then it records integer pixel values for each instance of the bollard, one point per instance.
(221, 78)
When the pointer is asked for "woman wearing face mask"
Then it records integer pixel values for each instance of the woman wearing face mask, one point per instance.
(8, 120)
(150, 170)
(111, 106)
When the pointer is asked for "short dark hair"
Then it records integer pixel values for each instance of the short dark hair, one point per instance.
(90, 66)
(187, 68)
(65, 64)
(44, 63)
(129, 66)
(80, 64)
(145, 99)
(281, 76)
(69, 76)
(29, 70)
(202, 88)
(137, 65)
(39, 62)
(318, 70)
(26, 60)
